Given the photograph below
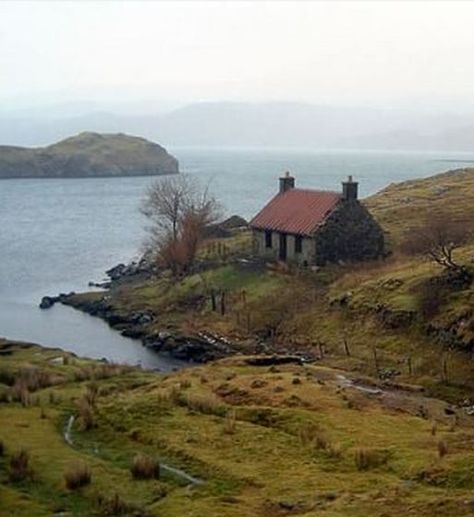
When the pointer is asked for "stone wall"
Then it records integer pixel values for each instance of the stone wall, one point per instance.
(349, 233)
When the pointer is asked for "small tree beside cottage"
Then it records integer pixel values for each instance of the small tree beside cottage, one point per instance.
(179, 210)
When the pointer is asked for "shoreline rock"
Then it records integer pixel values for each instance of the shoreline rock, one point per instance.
(48, 301)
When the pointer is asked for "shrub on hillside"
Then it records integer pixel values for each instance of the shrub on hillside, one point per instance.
(442, 448)
(20, 392)
(115, 505)
(367, 458)
(91, 394)
(145, 467)
(430, 298)
(19, 466)
(77, 475)
(86, 414)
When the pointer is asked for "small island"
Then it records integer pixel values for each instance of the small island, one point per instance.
(88, 155)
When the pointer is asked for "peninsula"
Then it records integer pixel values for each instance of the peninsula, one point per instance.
(88, 155)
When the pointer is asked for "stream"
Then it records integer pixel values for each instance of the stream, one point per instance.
(179, 473)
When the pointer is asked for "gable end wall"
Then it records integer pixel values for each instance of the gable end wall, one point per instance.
(349, 233)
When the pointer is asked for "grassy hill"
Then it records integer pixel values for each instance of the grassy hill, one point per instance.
(402, 205)
(379, 421)
(256, 440)
(377, 304)
(88, 155)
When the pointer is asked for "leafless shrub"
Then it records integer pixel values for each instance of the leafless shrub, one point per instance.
(145, 467)
(34, 378)
(313, 436)
(91, 393)
(77, 475)
(19, 466)
(179, 212)
(437, 238)
(115, 505)
(20, 392)
(86, 414)
(442, 449)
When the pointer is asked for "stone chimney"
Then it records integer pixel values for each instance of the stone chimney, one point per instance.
(287, 182)
(349, 189)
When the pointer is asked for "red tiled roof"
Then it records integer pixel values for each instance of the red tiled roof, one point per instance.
(296, 211)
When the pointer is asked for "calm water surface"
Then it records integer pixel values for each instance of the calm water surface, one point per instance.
(56, 235)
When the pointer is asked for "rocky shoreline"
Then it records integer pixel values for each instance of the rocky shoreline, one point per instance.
(200, 347)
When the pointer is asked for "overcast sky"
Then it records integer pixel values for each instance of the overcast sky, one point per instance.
(349, 53)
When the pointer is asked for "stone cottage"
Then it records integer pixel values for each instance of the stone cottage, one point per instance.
(314, 227)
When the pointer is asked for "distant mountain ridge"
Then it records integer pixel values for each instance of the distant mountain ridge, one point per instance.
(88, 155)
(270, 124)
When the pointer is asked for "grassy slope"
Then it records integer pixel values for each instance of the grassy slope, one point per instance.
(264, 441)
(297, 307)
(266, 466)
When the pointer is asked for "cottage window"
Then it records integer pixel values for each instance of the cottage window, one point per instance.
(268, 239)
(298, 244)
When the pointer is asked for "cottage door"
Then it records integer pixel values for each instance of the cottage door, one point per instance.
(282, 253)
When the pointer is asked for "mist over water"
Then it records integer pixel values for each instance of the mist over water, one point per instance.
(58, 234)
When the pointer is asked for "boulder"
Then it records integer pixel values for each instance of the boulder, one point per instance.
(47, 302)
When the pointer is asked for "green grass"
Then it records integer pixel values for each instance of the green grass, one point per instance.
(262, 467)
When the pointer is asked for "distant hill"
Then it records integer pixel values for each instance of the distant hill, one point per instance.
(88, 155)
(271, 124)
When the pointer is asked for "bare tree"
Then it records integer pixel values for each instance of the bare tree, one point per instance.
(179, 210)
(438, 238)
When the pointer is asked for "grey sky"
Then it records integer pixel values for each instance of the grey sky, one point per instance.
(334, 53)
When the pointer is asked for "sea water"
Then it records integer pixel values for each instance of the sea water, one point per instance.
(56, 235)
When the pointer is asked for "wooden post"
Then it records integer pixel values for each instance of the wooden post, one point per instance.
(213, 300)
(410, 369)
(444, 368)
(346, 347)
(376, 360)
(223, 303)
(321, 350)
